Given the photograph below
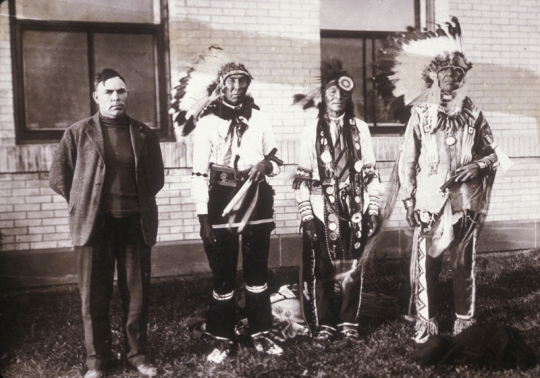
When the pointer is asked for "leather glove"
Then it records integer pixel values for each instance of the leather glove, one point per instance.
(412, 217)
(207, 234)
(260, 170)
(311, 229)
(373, 224)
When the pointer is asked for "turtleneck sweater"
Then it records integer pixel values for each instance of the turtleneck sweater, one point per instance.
(120, 194)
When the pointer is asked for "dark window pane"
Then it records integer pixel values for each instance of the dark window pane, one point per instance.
(132, 55)
(370, 95)
(350, 52)
(384, 116)
(377, 113)
(56, 85)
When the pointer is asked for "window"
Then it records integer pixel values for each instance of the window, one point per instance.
(354, 31)
(55, 60)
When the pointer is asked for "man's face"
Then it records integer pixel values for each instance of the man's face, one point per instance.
(336, 100)
(235, 88)
(112, 97)
(450, 78)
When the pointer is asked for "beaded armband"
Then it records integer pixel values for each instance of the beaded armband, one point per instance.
(306, 213)
(303, 173)
(373, 207)
(302, 176)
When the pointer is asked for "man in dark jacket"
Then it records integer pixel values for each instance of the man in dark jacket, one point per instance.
(109, 169)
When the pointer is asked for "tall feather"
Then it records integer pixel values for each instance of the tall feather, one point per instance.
(197, 88)
(404, 63)
(459, 36)
(308, 101)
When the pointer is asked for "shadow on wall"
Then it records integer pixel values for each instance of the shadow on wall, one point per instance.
(495, 88)
(508, 94)
(505, 89)
(273, 59)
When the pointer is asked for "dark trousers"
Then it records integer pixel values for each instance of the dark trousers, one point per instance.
(119, 241)
(223, 259)
(335, 304)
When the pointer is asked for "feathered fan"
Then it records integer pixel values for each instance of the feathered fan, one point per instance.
(197, 88)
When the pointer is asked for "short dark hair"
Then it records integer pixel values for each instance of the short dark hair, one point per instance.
(106, 74)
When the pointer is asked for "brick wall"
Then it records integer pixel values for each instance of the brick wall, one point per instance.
(502, 39)
(515, 194)
(32, 215)
(279, 42)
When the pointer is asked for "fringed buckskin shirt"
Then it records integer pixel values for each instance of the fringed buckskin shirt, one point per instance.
(427, 160)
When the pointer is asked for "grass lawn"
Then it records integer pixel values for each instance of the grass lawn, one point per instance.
(41, 332)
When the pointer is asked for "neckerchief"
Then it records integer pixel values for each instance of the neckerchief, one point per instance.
(238, 117)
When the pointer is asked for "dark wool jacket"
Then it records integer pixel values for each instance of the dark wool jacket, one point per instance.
(78, 171)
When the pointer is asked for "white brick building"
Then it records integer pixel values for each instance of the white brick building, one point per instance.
(281, 42)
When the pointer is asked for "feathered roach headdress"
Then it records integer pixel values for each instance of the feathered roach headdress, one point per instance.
(332, 72)
(200, 84)
(408, 65)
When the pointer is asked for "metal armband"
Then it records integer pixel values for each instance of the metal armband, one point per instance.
(408, 203)
(483, 166)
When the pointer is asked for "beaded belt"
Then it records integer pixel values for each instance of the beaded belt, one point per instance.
(223, 175)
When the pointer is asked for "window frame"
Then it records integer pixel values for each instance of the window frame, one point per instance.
(19, 26)
(368, 77)
(366, 35)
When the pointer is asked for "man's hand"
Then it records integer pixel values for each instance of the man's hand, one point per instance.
(467, 172)
(373, 224)
(207, 234)
(412, 217)
(311, 229)
(260, 170)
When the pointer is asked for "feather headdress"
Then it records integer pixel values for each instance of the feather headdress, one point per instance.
(408, 65)
(200, 84)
